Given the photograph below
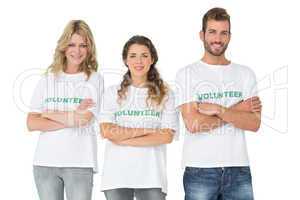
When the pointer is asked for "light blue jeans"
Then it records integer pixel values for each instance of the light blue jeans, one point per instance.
(139, 194)
(51, 182)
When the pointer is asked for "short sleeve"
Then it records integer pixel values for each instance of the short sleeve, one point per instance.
(109, 106)
(97, 96)
(170, 116)
(36, 103)
(183, 90)
(250, 87)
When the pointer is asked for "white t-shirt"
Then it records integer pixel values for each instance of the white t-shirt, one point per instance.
(136, 167)
(68, 147)
(220, 84)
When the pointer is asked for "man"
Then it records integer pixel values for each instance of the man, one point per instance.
(218, 101)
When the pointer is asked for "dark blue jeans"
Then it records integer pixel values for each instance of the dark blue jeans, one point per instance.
(228, 183)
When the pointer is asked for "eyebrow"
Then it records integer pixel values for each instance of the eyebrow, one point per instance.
(145, 53)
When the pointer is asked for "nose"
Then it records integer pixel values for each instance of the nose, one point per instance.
(217, 38)
(139, 59)
(77, 49)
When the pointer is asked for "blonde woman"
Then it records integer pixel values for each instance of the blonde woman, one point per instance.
(138, 119)
(63, 107)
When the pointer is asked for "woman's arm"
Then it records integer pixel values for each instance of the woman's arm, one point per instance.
(80, 117)
(69, 118)
(162, 136)
(35, 122)
(117, 133)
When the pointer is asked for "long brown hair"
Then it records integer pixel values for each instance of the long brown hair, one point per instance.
(81, 28)
(157, 89)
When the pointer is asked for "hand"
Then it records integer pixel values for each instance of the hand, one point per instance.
(252, 104)
(121, 143)
(45, 113)
(85, 104)
(209, 108)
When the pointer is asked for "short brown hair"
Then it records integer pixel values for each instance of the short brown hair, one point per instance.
(218, 14)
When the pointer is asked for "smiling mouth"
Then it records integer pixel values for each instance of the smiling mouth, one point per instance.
(217, 46)
(139, 68)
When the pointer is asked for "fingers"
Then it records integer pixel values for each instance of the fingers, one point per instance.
(257, 109)
(86, 106)
(255, 98)
(89, 100)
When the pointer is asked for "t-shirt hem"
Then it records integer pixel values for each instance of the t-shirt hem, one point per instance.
(95, 169)
(103, 188)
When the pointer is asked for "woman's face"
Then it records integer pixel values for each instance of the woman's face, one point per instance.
(76, 51)
(139, 60)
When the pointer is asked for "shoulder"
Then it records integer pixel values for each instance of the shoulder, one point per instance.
(243, 69)
(47, 78)
(112, 89)
(188, 69)
(95, 76)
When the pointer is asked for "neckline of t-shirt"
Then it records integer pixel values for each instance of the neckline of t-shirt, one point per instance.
(216, 67)
(72, 75)
(138, 88)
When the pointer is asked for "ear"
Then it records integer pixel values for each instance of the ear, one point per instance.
(201, 35)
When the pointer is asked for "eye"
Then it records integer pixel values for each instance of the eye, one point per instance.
(131, 56)
(71, 45)
(225, 33)
(145, 55)
(83, 45)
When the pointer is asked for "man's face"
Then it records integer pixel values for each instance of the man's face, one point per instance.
(216, 37)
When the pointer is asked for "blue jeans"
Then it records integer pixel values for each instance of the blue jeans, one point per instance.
(51, 181)
(140, 194)
(228, 183)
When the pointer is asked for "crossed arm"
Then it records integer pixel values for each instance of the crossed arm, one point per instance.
(55, 120)
(135, 136)
(204, 117)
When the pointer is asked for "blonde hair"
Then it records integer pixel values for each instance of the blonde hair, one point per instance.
(90, 64)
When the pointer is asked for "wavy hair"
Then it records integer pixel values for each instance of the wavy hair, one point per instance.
(59, 63)
(157, 89)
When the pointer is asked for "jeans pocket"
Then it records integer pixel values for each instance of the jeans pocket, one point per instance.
(192, 170)
(244, 171)
(244, 175)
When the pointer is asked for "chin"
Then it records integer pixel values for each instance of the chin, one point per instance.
(139, 75)
(77, 63)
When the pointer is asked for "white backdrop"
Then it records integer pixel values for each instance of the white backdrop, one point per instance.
(265, 37)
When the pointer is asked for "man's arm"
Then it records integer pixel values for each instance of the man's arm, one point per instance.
(245, 115)
(244, 120)
(196, 122)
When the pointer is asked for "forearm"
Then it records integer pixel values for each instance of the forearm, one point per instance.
(202, 123)
(241, 119)
(152, 139)
(38, 123)
(68, 118)
(196, 122)
(115, 132)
